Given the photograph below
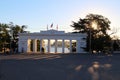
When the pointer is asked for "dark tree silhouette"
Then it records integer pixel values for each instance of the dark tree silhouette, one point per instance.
(96, 26)
(4, 37)
(9, 35)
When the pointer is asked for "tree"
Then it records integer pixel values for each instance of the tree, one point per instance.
(14, 31)
(96, 26)
(9, 35)
(4, 37)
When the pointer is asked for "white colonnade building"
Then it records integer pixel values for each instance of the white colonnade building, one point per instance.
(35, 42)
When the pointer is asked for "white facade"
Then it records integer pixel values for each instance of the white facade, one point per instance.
(25, 38)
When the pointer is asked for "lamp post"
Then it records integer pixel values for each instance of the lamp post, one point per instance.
(112, 42)
(93, 26)
(11, 46)
(112, 49)
(11, 39)
(89, 38)
(11, 33)
(90, 41)
(114, 38)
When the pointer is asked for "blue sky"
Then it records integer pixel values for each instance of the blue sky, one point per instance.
(37, 14)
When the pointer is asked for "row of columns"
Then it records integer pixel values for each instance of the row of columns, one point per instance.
(41, 45)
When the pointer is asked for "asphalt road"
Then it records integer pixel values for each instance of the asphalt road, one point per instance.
(60, 67)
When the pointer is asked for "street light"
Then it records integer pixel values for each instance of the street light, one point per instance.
(11, 39)
(89, 35)
(112, 41)
(114, 38)
(10, 46)
(11, 33)
(90, 51)
(93, 26)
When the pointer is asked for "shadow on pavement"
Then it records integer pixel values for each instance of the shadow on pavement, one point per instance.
(60, 67)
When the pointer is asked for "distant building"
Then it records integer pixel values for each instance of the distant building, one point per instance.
(44, 38)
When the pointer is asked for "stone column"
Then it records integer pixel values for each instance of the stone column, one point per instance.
(63, 46)
(25, 46)
(40, 45)
(34, 45)
(78, 46)
(70, 46)
(56, 46)
(19, 45)
(48, 45)
(28, 45)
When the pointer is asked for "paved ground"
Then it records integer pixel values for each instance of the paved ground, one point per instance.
(60, 67)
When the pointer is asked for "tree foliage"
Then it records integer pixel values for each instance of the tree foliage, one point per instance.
(96, 26)
(4, 36)
(9, 35)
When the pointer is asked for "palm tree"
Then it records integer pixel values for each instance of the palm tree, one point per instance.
(23, 27)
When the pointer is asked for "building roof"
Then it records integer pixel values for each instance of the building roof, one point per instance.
(52, 31)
